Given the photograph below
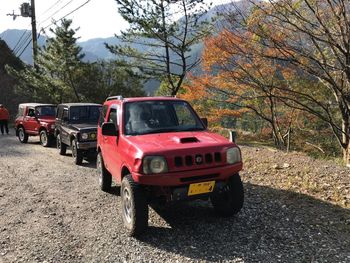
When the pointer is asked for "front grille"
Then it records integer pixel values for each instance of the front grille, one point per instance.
(178, 161)
(197, 159)
(188, 160)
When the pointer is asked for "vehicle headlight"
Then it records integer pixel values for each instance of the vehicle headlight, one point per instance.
(233, 155)
(84, 136)
(154, 164)
(93, 135)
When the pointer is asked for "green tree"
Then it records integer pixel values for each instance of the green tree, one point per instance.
(8, 93)
(157, 42)
(109, 78)
(59, 66)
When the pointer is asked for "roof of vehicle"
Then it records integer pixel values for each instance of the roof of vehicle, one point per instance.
(35, 104)
(79, 104)
(142, 99)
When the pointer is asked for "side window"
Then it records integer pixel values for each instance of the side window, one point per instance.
(59, 112)
(20, 111)
(102, 115)
(65, 114)
(31, 112)
(113, 116)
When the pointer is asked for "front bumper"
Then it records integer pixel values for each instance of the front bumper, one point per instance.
(221, 173)
(86, 145)
(181, 193)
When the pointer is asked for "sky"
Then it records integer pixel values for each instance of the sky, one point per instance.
(98, 18)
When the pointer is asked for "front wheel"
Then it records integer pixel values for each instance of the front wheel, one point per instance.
(22, 135)
(230, 201)
(45, 139)
(134, 207)
(104, 177)
(77, 153)
(61, 147)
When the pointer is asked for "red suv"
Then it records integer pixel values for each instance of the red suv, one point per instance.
(35, 119)
(158, 149)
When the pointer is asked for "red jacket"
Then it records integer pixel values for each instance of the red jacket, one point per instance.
(4, 114)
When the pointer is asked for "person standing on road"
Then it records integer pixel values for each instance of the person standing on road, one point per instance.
(4, 118)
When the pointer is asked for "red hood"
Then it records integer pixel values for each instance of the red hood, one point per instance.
(186, 141)
(48, 119)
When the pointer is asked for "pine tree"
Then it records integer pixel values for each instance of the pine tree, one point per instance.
(161, 36)
(59, 62)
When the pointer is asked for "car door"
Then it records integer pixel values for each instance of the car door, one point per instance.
(31, 122)
(111, 152)
(64, 127)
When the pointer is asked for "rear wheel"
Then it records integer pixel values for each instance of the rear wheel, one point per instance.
(22, 135)
(230, 201)
(134, 206)
(45, 139)
(77, 153)
(104, 177)
(61, 147)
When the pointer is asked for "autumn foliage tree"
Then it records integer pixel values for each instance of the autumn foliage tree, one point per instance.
(243, 82)
(295, 53)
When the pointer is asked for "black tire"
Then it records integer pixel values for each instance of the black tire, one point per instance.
(134, 207)
(45, 138)
(61, 147)
(77, 153)
(104, 177)
(229, 202)
(22, 135)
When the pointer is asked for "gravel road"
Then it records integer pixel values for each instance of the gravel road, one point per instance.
(52, 211)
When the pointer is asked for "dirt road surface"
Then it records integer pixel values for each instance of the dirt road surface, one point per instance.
(296, 210)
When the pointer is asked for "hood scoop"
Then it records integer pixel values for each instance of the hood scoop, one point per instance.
(188, 139)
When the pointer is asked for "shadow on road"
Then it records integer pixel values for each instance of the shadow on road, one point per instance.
(273, 226)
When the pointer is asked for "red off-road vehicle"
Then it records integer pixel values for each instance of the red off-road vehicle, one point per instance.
(35, 119)
(158, 149)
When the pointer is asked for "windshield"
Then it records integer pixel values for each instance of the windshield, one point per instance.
(84, 114)
(45, 111)
(147, 117)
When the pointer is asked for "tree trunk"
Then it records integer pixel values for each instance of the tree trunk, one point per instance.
(346, 142)
(346, 155)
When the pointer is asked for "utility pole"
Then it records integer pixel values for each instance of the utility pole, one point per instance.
(34, 35)
(28, 10)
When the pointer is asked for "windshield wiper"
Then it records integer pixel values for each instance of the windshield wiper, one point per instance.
(193, 129)
(161, 130)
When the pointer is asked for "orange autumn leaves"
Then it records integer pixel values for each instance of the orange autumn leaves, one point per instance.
(232, 77)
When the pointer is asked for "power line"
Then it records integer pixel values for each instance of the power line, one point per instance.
(76, 9)
(20, 46)
(19, 40)
(60, 9)
(56, 3)
(25, 48)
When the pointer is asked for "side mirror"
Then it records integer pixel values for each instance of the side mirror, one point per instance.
(205, 122)
(109, 129)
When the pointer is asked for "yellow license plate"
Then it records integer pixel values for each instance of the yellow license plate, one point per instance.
(201, 188)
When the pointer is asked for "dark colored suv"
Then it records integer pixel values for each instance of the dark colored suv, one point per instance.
(35, 119)
(76, 127)
(158, 149)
